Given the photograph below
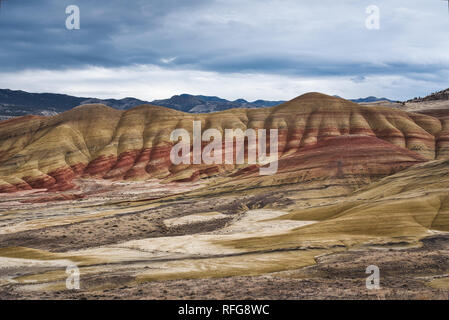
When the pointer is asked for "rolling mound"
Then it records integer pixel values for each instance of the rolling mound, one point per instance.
(314, 129)
(440, 95)
(401, 208)
(341, 156)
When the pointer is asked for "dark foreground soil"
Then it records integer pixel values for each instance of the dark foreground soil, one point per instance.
(404, 274)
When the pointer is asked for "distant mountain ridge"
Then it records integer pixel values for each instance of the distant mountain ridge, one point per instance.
(207, 104)
(369, 99)
(14, 103)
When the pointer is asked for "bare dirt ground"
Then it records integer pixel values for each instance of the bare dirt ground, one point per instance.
(405, 274)
(169, 248)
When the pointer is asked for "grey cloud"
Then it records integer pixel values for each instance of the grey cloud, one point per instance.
(288, 37)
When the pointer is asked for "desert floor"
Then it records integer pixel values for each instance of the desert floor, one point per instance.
(163, 244)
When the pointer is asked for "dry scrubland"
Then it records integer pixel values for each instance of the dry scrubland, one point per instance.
(357, 185)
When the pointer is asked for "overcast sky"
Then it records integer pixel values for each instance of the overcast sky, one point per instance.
(253, 49)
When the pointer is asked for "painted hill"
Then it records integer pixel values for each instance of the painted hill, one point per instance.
(401, 208)
(99, 141)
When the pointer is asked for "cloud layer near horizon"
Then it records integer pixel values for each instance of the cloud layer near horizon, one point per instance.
(273, 49)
